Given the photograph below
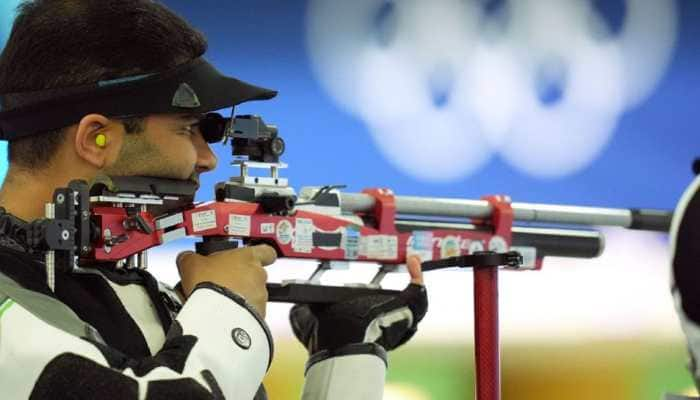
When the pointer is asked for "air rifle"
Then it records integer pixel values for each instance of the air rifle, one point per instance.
(118, 219)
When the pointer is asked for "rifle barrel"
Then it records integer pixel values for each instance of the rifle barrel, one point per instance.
(641, 219)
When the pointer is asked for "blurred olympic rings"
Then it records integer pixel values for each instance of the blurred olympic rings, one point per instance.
(443, 85)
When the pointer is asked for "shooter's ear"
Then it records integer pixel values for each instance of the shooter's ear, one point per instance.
(95, 139)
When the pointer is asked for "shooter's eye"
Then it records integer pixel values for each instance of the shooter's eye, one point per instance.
(212, 127)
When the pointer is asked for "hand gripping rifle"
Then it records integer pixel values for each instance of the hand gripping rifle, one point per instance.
(118, 219)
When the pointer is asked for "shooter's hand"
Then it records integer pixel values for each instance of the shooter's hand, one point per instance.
(239, 270)
(389, 321)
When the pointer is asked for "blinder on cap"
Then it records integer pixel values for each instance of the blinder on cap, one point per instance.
(193, 88)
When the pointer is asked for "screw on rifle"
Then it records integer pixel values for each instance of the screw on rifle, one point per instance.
(107, 239)
(137, 222)
(116, 240)
(60, 198)
(86, 214)
(65, 235)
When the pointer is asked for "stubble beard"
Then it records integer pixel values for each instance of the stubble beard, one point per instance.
(140, 157)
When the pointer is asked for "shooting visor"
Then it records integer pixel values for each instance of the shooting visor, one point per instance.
(196, 87)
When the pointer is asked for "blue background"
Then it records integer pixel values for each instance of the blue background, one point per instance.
(646, 163)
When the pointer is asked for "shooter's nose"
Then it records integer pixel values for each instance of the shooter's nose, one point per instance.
(206, 159)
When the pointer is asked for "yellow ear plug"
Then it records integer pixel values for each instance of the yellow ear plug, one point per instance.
(101, 140)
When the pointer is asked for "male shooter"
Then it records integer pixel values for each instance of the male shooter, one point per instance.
(118, 87)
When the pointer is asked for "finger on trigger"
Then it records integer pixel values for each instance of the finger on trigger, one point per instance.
(265, 253)
(413, 264)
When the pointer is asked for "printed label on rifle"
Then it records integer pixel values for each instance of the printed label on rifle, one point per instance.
(450, 247)
(304, 236)
(285, 232)
(239, 225)
(476, 246)
(351, 243)
(379, 247)
(267, 229)
(498, 244)
(420, 244)
(204, 220)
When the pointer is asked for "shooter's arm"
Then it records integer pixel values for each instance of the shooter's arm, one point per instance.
(215, 349)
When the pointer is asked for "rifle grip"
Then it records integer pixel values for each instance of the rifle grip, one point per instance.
(213, 244)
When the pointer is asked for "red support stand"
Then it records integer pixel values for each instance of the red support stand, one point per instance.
(487, 347)
(486, 338)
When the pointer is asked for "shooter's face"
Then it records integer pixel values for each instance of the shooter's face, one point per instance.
(170, 146)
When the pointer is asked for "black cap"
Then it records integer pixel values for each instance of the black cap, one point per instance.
(196, 87)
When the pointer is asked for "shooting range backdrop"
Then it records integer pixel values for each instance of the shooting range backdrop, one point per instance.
(558, 101)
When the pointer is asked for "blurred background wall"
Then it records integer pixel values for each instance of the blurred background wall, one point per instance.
(556, 101)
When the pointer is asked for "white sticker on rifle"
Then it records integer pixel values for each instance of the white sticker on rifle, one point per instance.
(285, 232)
(238, 225)
(351, 243)
(267, 229)
(203, 220)
(498, 244)
(450, 247)
(303, 236)
(420, 244)
(476, 246)
(379, 247)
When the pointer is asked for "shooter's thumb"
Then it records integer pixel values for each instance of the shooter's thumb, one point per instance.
(413, 264)
(181, 258)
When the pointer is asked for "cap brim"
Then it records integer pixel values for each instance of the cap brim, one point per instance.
(217, 91)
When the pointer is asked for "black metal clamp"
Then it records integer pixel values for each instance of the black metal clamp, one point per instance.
(511, 259)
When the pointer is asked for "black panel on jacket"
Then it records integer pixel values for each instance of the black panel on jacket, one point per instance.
(24, 269)
(94, 301)
(88, 295)
(261, 394)
(87, 380)
(115, 359)
(178, 389)
(213, 385)
(140, 277)
(151, 285)
(173, 355)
